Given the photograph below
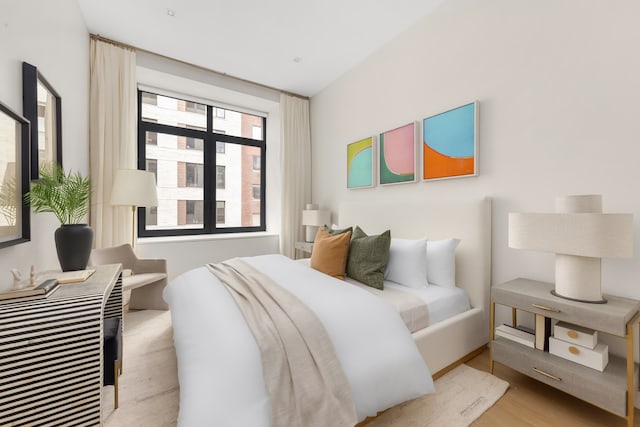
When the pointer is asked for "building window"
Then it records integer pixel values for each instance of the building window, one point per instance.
(194, 144)
(194, 211)
(152, 166)
(220, 212)
(152, 216)
(220, 176)
(194, 107)
(205, 153)
(256, 132)
(149, 98)
(195, 175)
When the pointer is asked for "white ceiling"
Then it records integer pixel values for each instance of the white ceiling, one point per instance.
(258, 40)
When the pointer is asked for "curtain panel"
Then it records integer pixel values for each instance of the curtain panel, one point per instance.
(113, 117)
(296, 169)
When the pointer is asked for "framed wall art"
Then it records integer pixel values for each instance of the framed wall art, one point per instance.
(14, 178)
(397, 154)
(360, 163)
(42, 107)
(450, 143)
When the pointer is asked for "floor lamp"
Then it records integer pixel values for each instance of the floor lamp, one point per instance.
(135, 188)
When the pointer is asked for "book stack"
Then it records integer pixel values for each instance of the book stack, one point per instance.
(518, 335)
(42, 290)
(579, 345)
(543, 332)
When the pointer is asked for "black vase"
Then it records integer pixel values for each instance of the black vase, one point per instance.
(73, 243)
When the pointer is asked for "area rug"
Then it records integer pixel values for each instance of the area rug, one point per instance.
(461, 396)
(149, 391)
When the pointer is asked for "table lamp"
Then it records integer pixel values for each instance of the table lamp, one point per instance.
(580, 235)
(312, 218)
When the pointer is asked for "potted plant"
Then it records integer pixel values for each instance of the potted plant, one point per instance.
(67, 197)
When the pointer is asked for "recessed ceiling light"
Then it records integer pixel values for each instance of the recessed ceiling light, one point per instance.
(297, 59)
(171, 12)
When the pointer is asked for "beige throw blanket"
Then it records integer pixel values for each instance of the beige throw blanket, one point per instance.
(301, 371)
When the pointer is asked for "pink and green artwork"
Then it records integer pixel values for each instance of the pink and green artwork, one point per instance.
(360, 163)
(398, 155)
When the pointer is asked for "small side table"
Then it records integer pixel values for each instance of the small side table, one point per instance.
(304, 247)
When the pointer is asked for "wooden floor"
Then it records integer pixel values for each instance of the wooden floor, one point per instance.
(528, 402)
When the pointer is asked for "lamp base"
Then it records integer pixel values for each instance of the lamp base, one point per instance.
(311, 231)
(601, 301)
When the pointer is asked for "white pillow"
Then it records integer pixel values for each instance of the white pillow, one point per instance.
(407, 264)
(441, 262)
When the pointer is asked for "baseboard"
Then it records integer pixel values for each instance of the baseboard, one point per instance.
(459, 362)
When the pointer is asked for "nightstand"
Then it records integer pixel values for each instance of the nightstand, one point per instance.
(614, 388)
(306, 247)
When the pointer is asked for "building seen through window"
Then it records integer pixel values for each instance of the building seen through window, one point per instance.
(207, 181)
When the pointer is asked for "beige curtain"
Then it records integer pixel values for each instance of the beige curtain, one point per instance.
(296, 168)
(112, 137)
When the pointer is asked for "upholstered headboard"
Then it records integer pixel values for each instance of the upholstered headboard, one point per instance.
(467, 220)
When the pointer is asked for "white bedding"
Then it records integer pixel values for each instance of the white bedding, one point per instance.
(442, 303)
(219, 367)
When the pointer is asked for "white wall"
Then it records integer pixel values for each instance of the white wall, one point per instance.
(183, 254)
(559, 89)
(53, 37)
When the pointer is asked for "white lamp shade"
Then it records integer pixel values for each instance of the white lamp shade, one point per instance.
(584, 234)
(316, 217)
(132, 187)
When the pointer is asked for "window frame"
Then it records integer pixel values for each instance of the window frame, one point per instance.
(209, 136)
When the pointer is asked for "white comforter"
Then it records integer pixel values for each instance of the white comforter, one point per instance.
(219, 366)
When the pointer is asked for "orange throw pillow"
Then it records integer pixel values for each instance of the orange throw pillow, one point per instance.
(330, 253)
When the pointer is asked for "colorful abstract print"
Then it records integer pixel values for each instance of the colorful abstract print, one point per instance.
(360, 163)
(398, 155)
(449, 147)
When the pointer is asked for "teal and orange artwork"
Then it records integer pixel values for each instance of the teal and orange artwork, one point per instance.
(360, 163)
(449, 143)
(398, 155)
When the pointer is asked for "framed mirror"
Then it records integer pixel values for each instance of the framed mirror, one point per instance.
(14, 178)
(42, 107)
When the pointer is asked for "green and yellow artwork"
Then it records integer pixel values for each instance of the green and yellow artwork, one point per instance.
(360, 163)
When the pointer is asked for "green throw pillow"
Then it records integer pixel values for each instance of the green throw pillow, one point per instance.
(368, 256)
(333, 232)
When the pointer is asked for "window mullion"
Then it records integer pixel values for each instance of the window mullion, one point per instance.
(209, 186)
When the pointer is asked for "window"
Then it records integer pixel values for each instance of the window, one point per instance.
(256, 132)
(220, 176)
(152, 166)
(152, 216)
(193, 107)
(220, 213)
(208, 166)
(194, 144)
(149, 98)
(195, 175)
(194, 209)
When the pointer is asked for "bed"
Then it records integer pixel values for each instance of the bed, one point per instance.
(219, 366)
(447, 342)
